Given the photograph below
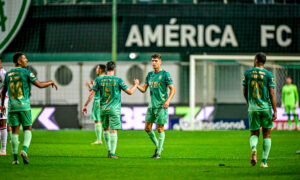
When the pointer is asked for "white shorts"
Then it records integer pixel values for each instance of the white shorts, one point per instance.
(6, 106)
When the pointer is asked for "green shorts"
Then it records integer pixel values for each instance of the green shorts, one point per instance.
(157, 115)
(111, 121)
(96, 111)
(259, 119)
(289, 108)
(19, 117)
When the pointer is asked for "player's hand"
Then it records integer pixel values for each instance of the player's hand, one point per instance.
(54, 84)
(87, 84)
(2, 110)
(166, 105)
(274, 117)
(84, 110)
(136, 81)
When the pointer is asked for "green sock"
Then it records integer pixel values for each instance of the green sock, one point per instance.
(296, 120)
(253, 141)
(15, 143)
(9, 133)
(113, 142)
(152, 136)
(27, 140)
(289, 120)
(295, 117)
(98, 130)
(107, 140)
(161, 139)
(266, 149)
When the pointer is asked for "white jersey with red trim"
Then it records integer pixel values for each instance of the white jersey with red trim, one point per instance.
(2, 78)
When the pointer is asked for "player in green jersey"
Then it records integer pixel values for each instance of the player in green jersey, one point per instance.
(109, 87)
(95, 116)
(259, 93)
(18, 85)
(159, 82)
(290, 101)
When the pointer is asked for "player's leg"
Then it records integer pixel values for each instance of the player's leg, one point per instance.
(253, 143)
(14, 123)
(162, 119)
(27, 135)
(113, 142)
(106, 133)
(3, 134)
(114, 125)
(266, 146)
(161, 139)
(288, 113)
(254, 126)
(9, 132)
(15, 142)
(295, 117)
(97, 118)
(267, 125)
(98, 131)
(150, 119)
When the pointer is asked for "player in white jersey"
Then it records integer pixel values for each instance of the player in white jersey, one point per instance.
(3, 118)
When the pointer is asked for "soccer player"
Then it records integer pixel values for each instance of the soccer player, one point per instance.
(100, 71)
(159, 81)
(18, 85)
(109, 87)
(290, 101)
(3, 131)
(259, 93)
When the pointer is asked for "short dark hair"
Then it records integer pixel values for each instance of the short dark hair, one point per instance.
(156, 56)
(110, 66)
(102, 67)
(16, 57)
(261, 57)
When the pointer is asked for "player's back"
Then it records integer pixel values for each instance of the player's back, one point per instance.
(18, 82)
(258, 81)
(110, 93)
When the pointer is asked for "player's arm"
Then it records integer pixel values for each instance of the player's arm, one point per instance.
(273, 102)
(143, 88)
(44, 84)
(245, 92)
(296, 97)
(3, 94)
(282, 97)
(131, 90)
(171, 95)
(90, 97)
(88, 85)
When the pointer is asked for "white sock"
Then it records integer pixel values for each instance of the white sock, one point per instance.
(3, 139)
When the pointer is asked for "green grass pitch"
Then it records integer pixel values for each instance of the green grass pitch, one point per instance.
(187, 155)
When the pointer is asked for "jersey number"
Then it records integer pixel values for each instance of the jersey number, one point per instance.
(107, 94)
(257, 89)
(16, 90)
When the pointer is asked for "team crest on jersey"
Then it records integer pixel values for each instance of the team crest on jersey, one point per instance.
(160, 77)
(32, 75)
(94, 83)
(12, 15)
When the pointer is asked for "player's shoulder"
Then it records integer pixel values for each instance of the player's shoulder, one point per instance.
(118, 78)
(98, 78)
(166, 72)
(150, 73)
(268, 73)
(248, 70)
